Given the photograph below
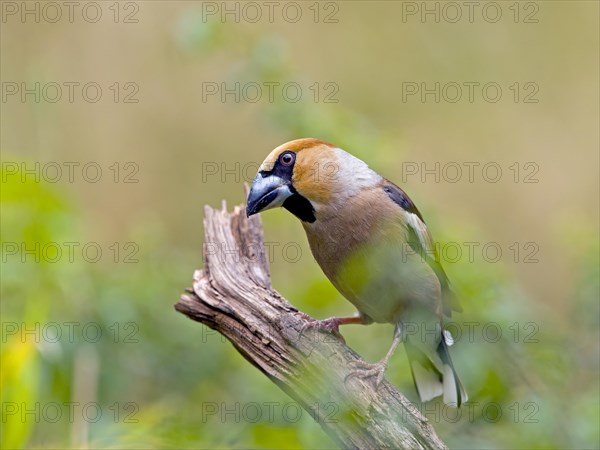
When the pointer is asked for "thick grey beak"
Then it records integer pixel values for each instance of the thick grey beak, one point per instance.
(266, 193)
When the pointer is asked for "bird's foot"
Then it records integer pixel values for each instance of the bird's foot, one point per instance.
(364, 370)
(332, 325)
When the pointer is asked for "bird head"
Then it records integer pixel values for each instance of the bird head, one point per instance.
(306, 176)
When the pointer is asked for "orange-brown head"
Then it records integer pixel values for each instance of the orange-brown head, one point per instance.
(305, 175)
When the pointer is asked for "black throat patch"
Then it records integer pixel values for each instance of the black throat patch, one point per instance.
(300, 207)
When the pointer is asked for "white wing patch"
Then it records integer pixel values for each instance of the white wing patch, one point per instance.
(448, 338)
(422, 233)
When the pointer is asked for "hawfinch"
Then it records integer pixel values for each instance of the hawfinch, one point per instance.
(370, 240)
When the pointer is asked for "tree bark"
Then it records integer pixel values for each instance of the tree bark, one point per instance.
(233, 295)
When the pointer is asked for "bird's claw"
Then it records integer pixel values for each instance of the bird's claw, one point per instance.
(363, 369)
(332, 325)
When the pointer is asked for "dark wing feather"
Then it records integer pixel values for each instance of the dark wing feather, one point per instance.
(421, 242)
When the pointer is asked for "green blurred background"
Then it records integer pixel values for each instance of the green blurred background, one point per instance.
(154, 379)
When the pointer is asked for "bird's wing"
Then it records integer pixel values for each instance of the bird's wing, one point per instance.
(421, 242)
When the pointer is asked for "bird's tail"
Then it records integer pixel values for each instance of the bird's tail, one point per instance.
(434, 375)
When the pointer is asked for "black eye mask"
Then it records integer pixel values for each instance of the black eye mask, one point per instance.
(296, 204)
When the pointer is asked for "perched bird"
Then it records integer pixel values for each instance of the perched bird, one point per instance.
(372, 243)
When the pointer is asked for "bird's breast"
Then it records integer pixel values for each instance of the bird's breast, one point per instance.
(368, 261)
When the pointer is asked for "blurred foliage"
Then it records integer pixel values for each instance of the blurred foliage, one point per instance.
(162, 381)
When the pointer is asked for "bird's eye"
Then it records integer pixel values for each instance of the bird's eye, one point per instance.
(287, 158)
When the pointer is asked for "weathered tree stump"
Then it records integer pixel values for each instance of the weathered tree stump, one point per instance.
(233, 295)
